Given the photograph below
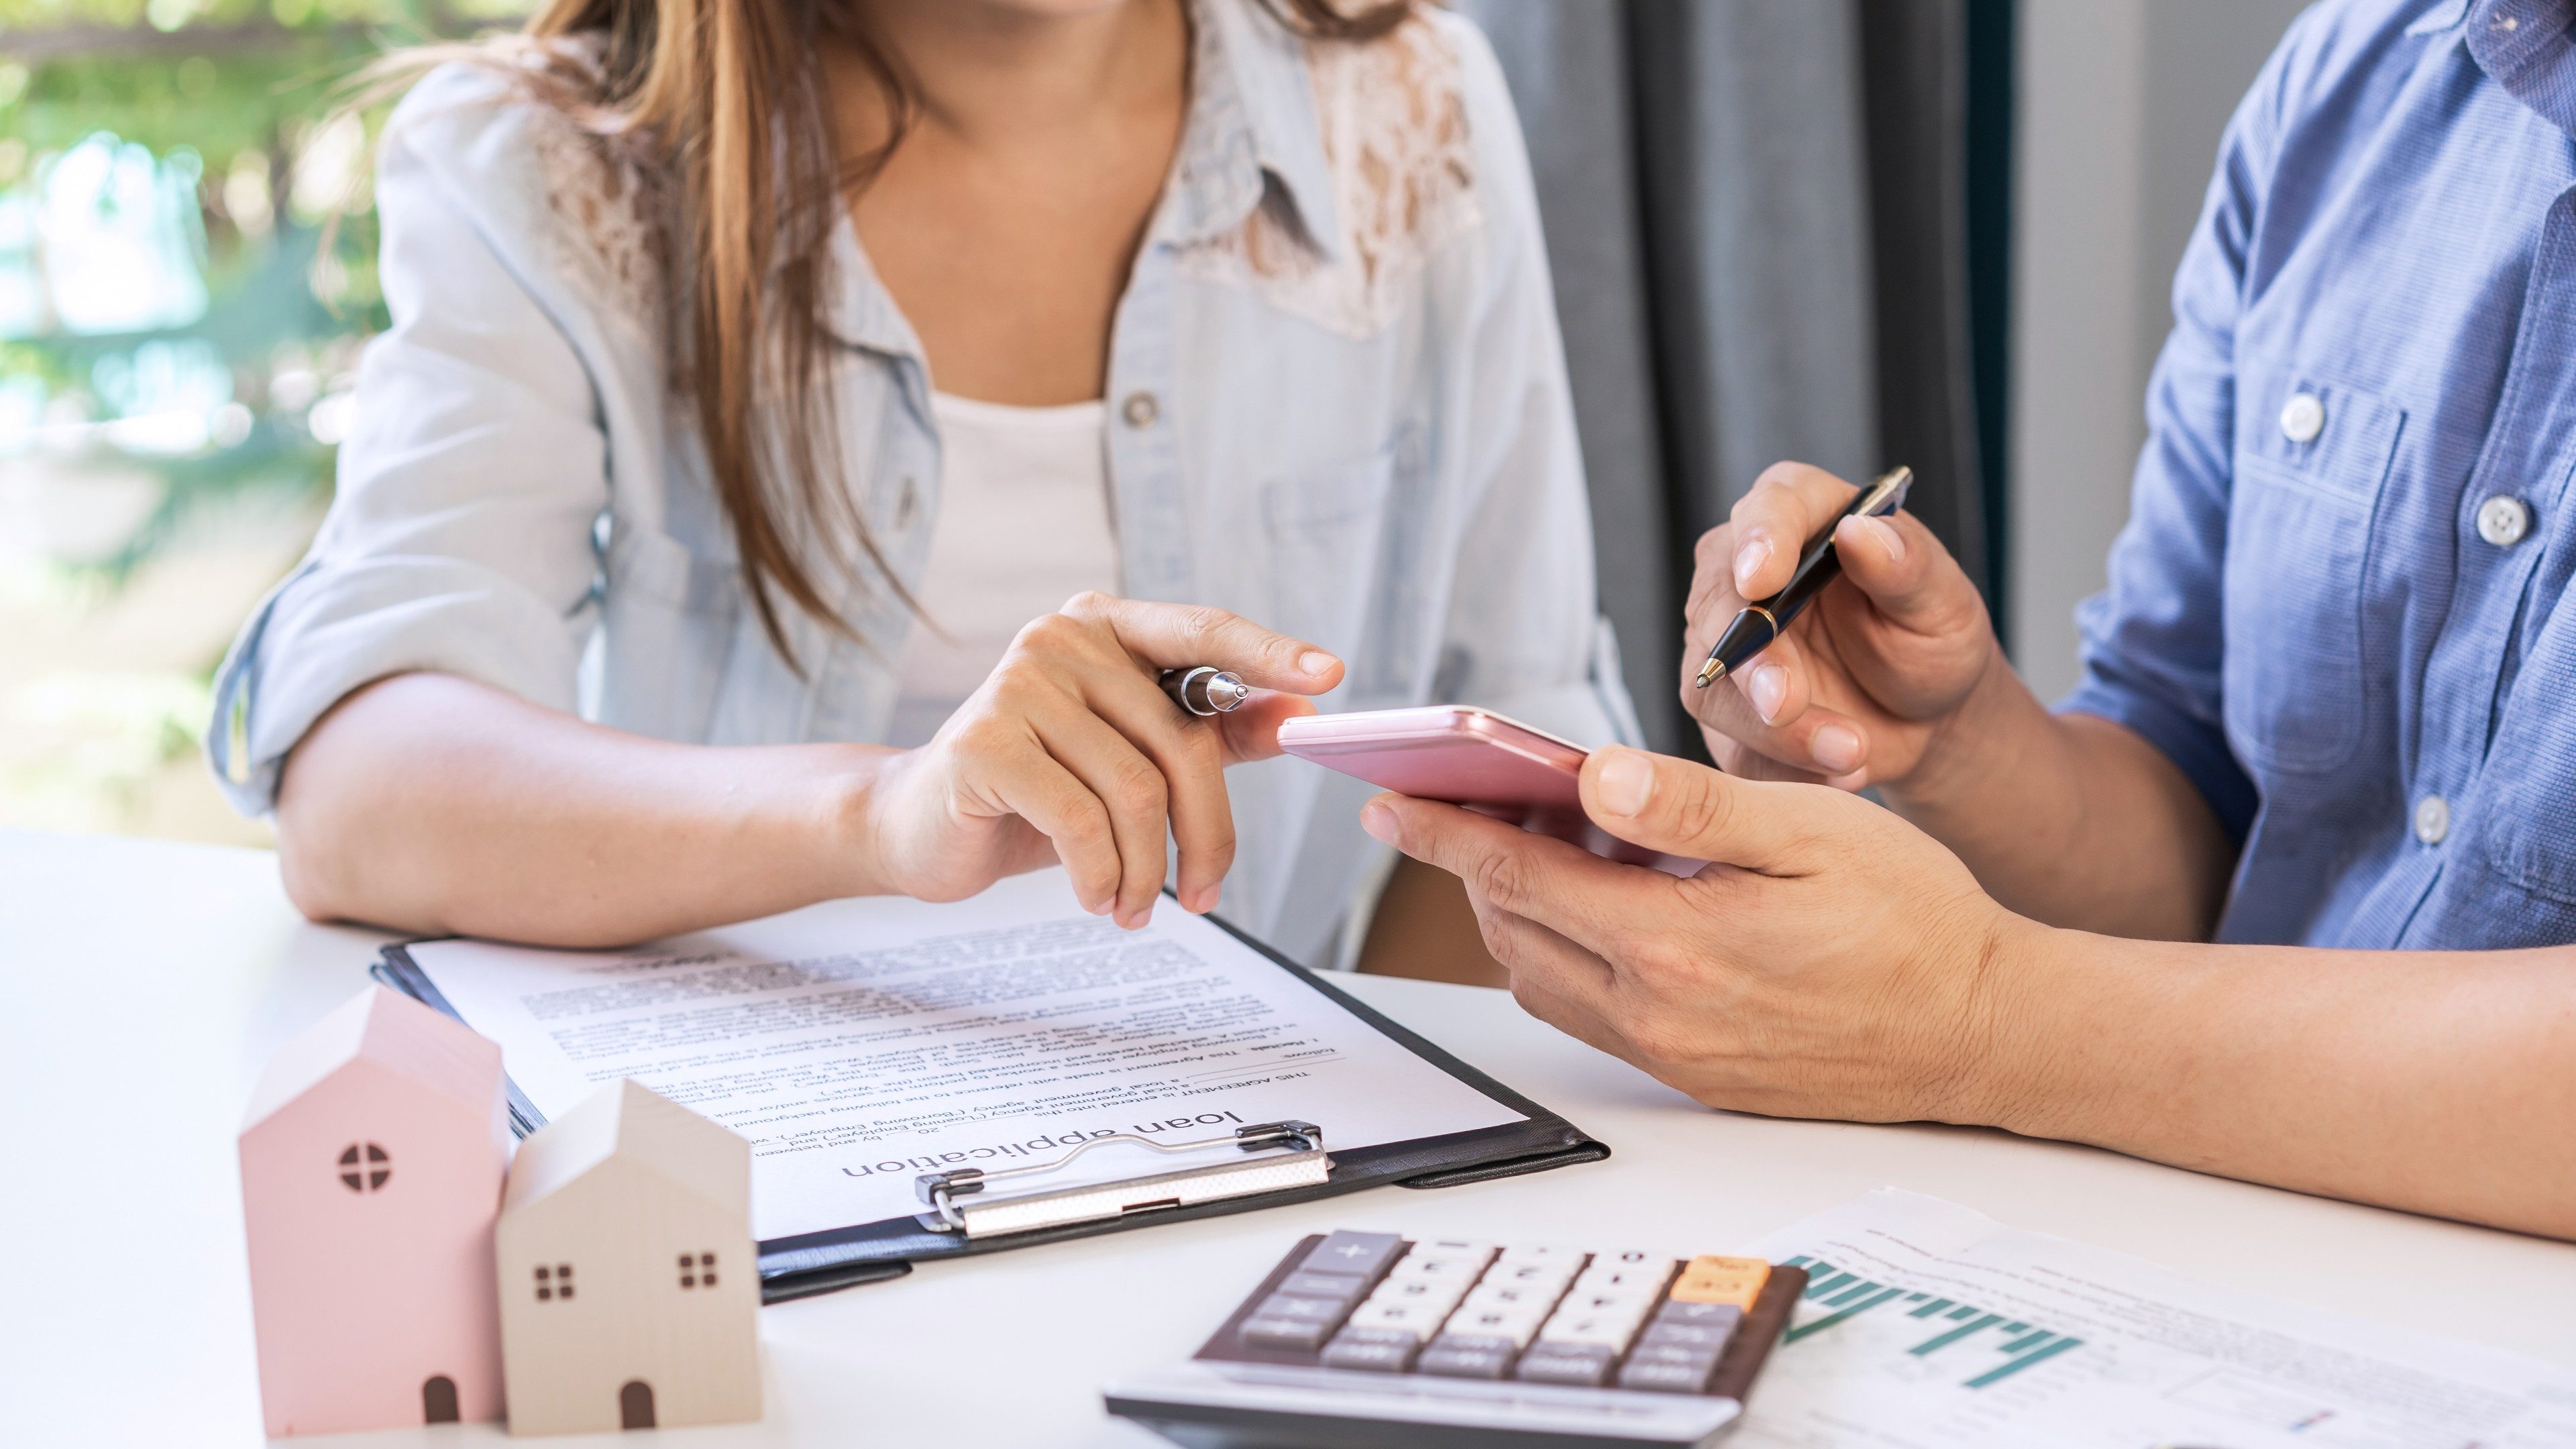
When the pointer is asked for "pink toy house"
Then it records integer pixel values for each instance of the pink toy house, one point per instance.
(371, 1160)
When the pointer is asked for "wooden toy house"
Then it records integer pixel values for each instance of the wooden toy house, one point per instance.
(371, 1161)
(630, 1292)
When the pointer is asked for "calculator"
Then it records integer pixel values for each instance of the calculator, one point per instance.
(1375, 1341)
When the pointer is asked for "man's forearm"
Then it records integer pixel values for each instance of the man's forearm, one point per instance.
(429, 803)
(2070, 820)
(2442, 1083)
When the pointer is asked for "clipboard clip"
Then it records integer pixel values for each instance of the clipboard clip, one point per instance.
(1294, 1157)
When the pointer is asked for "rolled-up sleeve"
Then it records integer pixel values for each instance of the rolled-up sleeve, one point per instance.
(1524, 633)
(2153, 642)
(460, 538)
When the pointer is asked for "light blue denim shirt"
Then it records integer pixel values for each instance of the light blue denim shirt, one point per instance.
(2337, 605)
(1338, 407)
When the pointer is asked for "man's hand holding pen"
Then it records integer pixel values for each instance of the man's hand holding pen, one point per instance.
(1861, 684)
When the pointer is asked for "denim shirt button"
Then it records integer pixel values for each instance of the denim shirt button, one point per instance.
(2504, 520)
(2432, 819)
(908, 504)
(1140, 409)
(2302, 418)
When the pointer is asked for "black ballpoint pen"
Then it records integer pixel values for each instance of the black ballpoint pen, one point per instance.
(1752, 630)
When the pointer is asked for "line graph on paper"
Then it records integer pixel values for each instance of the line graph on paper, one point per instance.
(1942, 1337)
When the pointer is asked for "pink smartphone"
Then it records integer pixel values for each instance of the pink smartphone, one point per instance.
(1471, 757)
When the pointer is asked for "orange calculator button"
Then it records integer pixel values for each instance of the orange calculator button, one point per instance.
(1708, 1279)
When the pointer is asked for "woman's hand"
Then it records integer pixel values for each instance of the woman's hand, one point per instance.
(1071, 751)
(1868, 678)
(1834, 962)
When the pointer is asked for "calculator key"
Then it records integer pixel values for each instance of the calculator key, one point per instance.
(1456, 1248)
(1550, 1275)
(1609, 1277)
(1709, 1279)
(1584, 1365)
(1296, 1333)
(1312, 1310)
(1461, 1271)
(1418, 1319)
(1610, 1331)
(1372, 1350)
(1635, 1306)
(1571, 1259)
(1722, 1315)
(1519, 1325)
(1432, 1297)
(1363, 1255)
(1694, 1336)
(1668, 1371)
(1467, 1356)
(1538, 1297)
(1347, 1287)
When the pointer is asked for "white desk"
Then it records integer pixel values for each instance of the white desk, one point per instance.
(142, 986)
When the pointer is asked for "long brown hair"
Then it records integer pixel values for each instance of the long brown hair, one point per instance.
(724, 101)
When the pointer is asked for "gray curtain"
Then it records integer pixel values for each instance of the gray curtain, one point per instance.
(1755, 213)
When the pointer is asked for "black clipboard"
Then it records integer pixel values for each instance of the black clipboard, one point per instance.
(811, 1263)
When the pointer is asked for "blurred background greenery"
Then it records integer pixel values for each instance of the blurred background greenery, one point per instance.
(176, 355)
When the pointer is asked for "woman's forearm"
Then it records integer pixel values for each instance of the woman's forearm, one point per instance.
(2070, 819)
(429, 803)
(2442, 1083)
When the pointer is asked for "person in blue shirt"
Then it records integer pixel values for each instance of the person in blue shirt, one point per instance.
(2286, 889)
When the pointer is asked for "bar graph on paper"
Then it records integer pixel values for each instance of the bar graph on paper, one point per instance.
(1974, 1348)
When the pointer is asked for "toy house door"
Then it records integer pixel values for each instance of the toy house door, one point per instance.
(635, 1405)
(438, 1400)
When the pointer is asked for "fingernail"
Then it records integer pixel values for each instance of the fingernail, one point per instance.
(1747, 559)
(1378, 821)
(1890, 542)
(1627, 779)
(1205, 899)
(1835, 748)
(1315, 662)
(1768, 685)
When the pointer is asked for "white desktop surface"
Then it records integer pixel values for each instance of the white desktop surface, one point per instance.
(142, 985)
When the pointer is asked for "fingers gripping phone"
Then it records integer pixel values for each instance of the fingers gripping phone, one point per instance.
(1474, 758)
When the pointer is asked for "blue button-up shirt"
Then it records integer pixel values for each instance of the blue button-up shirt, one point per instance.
(2374, 347)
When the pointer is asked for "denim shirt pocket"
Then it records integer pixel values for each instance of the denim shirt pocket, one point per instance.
(2310, 461)
(2521, 803)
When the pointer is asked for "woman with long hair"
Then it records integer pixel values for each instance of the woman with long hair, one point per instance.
(765, 376)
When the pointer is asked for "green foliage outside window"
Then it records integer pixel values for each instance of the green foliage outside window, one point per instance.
(176, 343)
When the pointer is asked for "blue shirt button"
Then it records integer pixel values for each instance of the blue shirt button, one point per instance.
(2504, 520)
(2432, 819)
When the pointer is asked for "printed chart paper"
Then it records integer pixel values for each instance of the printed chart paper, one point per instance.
(1928, 1326)
(859, 1044)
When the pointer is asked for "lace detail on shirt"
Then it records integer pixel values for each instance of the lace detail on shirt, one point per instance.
(611, 207)
(1402, 171)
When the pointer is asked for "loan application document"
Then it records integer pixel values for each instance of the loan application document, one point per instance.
(859, 1044)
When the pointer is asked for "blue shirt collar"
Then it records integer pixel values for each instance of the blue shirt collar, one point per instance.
(2524, 46)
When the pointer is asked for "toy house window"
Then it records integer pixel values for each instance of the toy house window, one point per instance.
(555, 1282)
(365, 1167)
(697, 1270)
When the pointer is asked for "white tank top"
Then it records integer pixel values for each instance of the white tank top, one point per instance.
(1025, 523)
